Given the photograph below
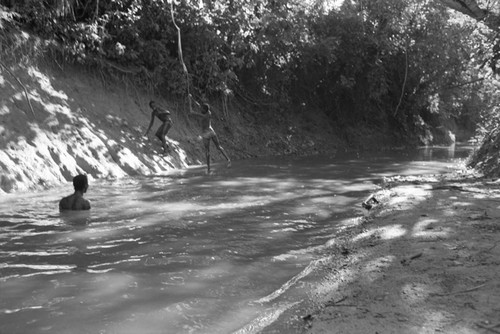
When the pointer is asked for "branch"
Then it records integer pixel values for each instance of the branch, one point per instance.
(20, 83)
(471, 8)
(179, 49)
(404, 83)
(130, 70)
(490, 328)
(465, 83)
(459, 292)
(467, 7)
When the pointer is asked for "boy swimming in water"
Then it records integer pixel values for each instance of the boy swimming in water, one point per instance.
(164, 116)
(76, 201)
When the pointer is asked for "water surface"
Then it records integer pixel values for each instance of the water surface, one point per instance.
(184, 252)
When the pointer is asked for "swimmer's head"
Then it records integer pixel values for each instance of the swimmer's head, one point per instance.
(80, 183)
(152, 104)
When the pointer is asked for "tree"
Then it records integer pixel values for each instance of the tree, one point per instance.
(381, 64)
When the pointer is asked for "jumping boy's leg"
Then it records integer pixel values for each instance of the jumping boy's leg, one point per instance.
(221, 149)
(164, 144)
(207, 153)
(162, 135)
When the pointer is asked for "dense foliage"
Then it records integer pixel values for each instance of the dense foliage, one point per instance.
(404, 67)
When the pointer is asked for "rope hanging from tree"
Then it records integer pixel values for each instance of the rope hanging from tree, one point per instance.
(179, 50)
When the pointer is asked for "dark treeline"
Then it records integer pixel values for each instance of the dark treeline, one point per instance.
(414, 69)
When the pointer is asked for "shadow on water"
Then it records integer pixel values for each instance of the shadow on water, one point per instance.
(184, 252)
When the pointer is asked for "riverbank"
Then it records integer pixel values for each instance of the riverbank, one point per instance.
(423, 260)
(75, 120)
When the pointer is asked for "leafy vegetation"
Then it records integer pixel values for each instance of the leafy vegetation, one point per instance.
(413, 69)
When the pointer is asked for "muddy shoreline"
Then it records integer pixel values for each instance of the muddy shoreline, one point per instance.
(425, 259)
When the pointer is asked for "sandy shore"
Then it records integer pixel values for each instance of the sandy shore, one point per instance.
(426, 259)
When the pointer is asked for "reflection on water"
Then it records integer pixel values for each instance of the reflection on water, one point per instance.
(184, 252)
(449, 152)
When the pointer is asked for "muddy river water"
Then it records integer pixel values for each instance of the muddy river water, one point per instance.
(185, 252)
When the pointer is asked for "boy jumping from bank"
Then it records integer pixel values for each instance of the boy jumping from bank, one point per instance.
(164, 116)
(207, 132)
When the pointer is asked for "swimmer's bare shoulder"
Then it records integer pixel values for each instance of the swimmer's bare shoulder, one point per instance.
(73, 202)
(82, 204)
(64, 204)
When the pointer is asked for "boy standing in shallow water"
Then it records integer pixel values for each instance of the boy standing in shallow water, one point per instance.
(164, 117)
(76, 201)
(207, 132)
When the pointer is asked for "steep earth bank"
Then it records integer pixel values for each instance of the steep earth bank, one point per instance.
(57, 121)
(487, 158)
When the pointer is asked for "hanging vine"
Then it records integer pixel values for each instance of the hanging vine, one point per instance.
(179, 50)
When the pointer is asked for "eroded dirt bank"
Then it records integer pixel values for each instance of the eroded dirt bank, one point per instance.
(59, 121)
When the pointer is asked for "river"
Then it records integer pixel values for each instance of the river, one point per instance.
(185, 252)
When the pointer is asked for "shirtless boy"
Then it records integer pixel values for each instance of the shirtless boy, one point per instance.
(207, 132)
(76, 201)
(164, 117)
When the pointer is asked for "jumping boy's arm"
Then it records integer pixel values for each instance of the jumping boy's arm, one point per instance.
(191, 112)
(150, 123)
